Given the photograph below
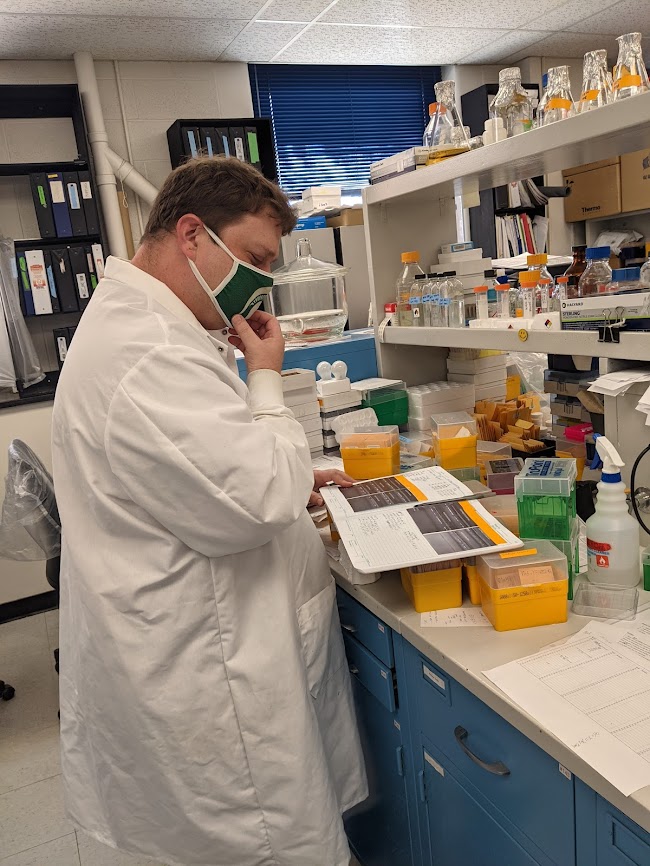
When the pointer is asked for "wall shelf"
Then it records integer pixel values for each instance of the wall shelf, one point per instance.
(17, 169)
(622, 127)
(633, 345)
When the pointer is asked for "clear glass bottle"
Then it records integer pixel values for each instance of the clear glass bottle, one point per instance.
(625, 280)
(543, 295)
(528, 281)
(512, 104)
(596, 82)
(576, 269)
(432, 306)
(597, 275)
(539, 262)
(503, 300)
(481, 299)
(630, 73)
(560, 293)
(415, 300)
(456, 301)
(410, 267)
(427, 138)
(559, 103)
(444, 142)
(444, 299)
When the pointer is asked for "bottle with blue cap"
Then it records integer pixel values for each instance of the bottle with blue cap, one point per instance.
(625, 280)
(597, 275)
(613, 552)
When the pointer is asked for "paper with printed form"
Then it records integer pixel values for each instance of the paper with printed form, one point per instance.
(456, 617)
(593, 694)
(432, 484)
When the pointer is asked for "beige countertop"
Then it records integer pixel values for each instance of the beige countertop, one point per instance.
(464, 653)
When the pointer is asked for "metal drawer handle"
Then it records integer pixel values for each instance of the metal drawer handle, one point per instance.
(497, 768)
(354, 669)
(351, 628)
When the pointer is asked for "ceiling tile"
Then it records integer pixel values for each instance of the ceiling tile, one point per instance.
(443, 13)
(370, 45)
(261, 41)
(59, 36)
(224, 9)
(626, 17)
(290, 10)
(506, 45)
(565, 44)
(569, 14)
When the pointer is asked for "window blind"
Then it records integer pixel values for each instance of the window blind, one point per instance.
(331, 122)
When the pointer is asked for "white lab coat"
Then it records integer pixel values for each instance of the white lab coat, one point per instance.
(206, 710)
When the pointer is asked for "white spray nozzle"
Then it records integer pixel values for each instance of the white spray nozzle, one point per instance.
(608, 456)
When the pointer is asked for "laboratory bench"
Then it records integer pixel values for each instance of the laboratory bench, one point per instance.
(459, 775)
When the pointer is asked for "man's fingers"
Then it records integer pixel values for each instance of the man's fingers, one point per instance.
(315, 499)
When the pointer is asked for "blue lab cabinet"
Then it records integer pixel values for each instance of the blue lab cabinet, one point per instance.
(452, 783)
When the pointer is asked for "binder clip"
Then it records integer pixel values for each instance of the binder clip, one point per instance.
(610, 331)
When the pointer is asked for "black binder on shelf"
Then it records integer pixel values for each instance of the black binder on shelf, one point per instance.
(65, 284)
(61, 344)
(253, 147)
(191, 140)
(208, 143)
(80, 275)
(225, 141)
(42, 204)
(74, 202)
(238, 137)
(89, 203)
(26, 297)
(60, 211)
(92, 271)
(54, 295)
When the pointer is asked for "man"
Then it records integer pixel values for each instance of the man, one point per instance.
(206, 713)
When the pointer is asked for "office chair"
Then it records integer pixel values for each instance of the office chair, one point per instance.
(30, 528)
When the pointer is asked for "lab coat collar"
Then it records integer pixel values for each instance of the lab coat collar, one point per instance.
(125, 272)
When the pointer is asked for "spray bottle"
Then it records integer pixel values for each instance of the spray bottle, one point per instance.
(612, 533)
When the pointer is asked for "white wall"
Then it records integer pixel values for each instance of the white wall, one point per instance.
(154, 95)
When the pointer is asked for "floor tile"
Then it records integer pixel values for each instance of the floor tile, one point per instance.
(52, 625)
(36, 703)
(32, 816)
(92, 853)
(28, 756)
(21, 638)
(61, 852)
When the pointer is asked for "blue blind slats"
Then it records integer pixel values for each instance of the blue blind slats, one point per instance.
(331, 122)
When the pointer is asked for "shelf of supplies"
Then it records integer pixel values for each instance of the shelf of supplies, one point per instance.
(37, 243)
(622, 127)
(633, 345)
(13, 169)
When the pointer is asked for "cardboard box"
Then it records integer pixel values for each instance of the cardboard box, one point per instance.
(588, 314)
(635, 180)
(349, 216)
(595, 190)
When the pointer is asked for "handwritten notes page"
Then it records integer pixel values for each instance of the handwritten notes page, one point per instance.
(457, 617)
(593, 694)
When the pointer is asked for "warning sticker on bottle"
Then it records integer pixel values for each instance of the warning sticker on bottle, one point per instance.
(598, 553)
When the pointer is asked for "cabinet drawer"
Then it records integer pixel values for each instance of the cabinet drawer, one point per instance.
(516, 776)
(366, 627)
(370, 672)
(620, 842)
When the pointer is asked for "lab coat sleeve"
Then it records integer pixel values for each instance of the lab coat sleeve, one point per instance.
(186, 448)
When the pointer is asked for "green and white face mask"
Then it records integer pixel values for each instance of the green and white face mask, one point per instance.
(242, 290)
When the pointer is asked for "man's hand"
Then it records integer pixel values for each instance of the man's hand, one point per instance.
(260, 339)
(327, 476)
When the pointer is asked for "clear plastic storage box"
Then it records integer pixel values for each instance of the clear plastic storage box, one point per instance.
(526, 587)
(546, 497)
(371, 452)
(454, 440)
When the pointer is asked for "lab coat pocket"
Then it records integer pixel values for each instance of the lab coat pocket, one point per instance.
(320, 637)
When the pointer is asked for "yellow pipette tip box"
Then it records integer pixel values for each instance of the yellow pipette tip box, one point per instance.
(436, 586)
(371, 452)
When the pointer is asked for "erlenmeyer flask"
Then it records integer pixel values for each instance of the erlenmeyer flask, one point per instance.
(596, 82)
(512, 104)
(559, 103)
(444, 141)
(630, 74)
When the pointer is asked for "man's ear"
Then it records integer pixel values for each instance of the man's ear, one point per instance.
(188, 228)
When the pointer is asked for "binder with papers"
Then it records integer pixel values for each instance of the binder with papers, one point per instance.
(89, 203)
(65, 285)
(59, 205)
(42, 205)
(75, 204)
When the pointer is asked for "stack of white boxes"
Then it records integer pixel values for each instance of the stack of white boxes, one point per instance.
(437, 398)
(300, 395)
(335, 398)
(469, 265)
(486, 374)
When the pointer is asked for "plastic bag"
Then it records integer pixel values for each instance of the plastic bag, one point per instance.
(7, 370)
(25, 358)
(30, 528)
(531, 367)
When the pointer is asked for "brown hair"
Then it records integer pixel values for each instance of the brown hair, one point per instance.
(219, 190)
